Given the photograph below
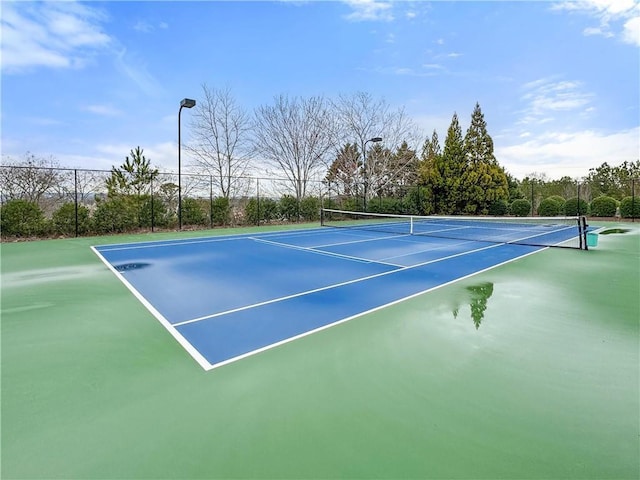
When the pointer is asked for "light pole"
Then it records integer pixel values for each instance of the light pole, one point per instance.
(364, 164)
(184, 103)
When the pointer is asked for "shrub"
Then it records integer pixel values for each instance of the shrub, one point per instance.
(353, 204)
(64, 220)
(289, 208)
(260, 210)
(220, 211)
(193, 212)
(310, 209)
(560, 200)
(549, 207)
(22, 218)
(498, 208)
(520, 207)
(575, 206)
(604, 206)
(630, 207)
(417, 201)
(114, 215)
(385, 205)
(153, 212)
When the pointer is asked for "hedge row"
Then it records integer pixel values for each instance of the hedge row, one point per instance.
(21, 218)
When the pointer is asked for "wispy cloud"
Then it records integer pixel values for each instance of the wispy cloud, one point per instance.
(369, 10)
(615, 18)
(103, 110)
(54, 35)
(145, 27)
(545, 97)
(135, 69)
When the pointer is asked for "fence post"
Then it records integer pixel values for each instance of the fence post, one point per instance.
(633, 199)
(153, 217)
(210, 201)
(258, 198)
(75, 196)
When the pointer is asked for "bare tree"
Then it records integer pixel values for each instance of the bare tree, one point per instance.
(296, 136)
(35, 179)
(220, 140)
(362, 118)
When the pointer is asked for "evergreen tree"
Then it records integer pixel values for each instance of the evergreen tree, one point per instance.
(134, 176)
(450, 167)
(483, 181)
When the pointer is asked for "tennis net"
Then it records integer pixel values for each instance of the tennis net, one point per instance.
(567, 232)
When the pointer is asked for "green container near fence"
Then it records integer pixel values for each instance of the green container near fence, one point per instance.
(592, 239)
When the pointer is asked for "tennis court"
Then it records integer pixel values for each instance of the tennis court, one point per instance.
(228, 297)
(526, 369)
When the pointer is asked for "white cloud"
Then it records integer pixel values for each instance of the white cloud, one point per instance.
(568, 153)
(547, 96)
(631, 31)
(616, 18)
(54, 35)
(369, 10)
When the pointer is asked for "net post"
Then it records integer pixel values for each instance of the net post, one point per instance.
(322, 216)
(582, 223)
(411, 225)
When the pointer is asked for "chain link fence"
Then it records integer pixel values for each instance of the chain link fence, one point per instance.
(52, 202)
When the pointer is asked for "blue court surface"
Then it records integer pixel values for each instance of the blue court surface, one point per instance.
(226, 297)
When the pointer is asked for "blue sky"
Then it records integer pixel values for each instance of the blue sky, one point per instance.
(558, 82)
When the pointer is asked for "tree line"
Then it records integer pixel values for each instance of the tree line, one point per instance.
(364, 153)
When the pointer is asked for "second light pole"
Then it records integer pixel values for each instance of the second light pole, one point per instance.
(364, 164)
(184, 103)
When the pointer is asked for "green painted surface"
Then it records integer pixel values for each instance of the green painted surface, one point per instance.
(530, 370)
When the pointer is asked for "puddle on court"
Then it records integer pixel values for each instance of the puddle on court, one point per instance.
(476, 296)
(610, 231)
(124, 267)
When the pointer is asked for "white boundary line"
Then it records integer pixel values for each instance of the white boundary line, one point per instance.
(338, 322)
(322, 252)
(329, 287)
(197, 356)
(206, 365)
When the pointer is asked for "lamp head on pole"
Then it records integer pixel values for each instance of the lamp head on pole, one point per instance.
(187, 103)
(375, 139)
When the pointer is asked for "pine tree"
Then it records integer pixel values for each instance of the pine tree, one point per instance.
(450, 167)
(483, 180)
